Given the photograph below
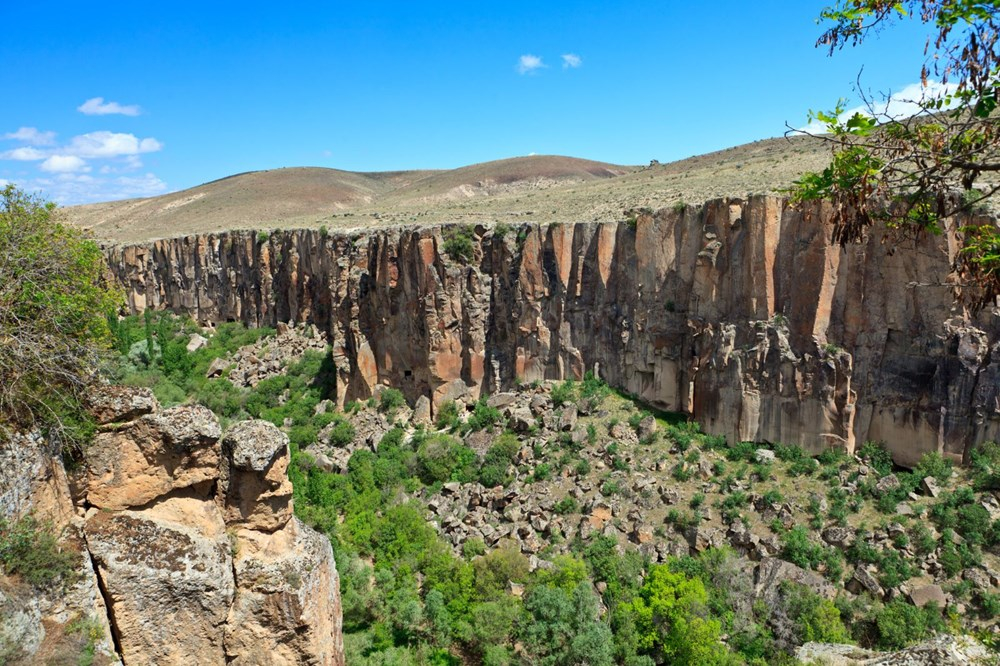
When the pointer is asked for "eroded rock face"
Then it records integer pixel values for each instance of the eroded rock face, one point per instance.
(153, 456)
(287, 608)
(942, 650)
(742, 313)
(168, 573)
(197, 553)
(253, 485)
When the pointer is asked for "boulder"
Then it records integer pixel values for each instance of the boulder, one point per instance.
(864, 581)
(422, 410)
(764, 456)
(887, 483)
(196, 342)
(158, 454)
(254, 490)
(115, 404)
(925, 594)
(567, 421)
(647, 427)
(771, 572)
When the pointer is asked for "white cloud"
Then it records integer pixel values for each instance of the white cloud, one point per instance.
(96, 106)
(68, 189)
(898, 106)
(4, 182)
(23, 154)
(32, 136)
(529, 63)
(64, 164)
(110, 144)
(571, 60)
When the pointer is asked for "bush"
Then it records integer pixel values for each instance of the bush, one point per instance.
(390, 400)
(447, 417)
(484, 416)
(878, 457)
(814, 618)
(900, 624)
(443, 458)
(563, 393)
(30, 550)
(458, 242)
(55, 309)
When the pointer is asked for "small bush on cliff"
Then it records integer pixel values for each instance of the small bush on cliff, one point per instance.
(458, 242)
(30, 550)
(390, 400)
(54, 305)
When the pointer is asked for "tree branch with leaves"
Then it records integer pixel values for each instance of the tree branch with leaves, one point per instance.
(55, 300)
(910, 172)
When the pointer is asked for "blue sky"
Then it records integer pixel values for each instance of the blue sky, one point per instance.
(113, 99)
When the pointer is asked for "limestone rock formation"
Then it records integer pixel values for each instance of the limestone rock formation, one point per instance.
(152, 456)
(188, 549)
(740, 312)
(168, 574)
(254, 488)
(944, 650)
(287, 610)
(199, 557)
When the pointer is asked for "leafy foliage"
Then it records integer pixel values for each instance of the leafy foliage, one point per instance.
(29, 549)
(55, 309)
(905, 172)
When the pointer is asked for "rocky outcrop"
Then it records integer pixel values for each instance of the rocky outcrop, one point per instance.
(942, 650)
(189, 549)
(199, 556)
(742, 313)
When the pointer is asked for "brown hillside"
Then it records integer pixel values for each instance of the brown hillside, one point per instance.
(542, 188)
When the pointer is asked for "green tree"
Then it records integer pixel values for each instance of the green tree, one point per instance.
(54, 311)
(909, 172)
(671, 624)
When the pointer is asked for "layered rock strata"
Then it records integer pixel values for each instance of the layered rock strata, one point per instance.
(742, 313)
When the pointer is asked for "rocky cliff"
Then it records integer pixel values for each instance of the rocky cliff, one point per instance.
(189, 549)
(741, 313)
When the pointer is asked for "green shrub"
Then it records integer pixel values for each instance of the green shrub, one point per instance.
(443, 458)
(878, 457)
(390, 400)
(458, 242)
(54, 317)
(30, 550)
(799, 549)
(566, 506)
(900, 624)
(483, 416)
(592, 387)
(447, 417)
(563, 393)
(933, 464)
(814, 618)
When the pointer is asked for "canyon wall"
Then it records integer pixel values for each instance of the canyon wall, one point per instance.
(741, 313)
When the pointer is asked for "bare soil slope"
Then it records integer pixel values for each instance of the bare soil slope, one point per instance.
(543, 188)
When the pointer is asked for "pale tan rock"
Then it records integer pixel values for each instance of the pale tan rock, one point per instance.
(113, 404)
(167, 571)
(254, 489)
(159, 453)
(287, 606)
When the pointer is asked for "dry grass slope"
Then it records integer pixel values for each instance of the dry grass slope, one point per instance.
(534, 188)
